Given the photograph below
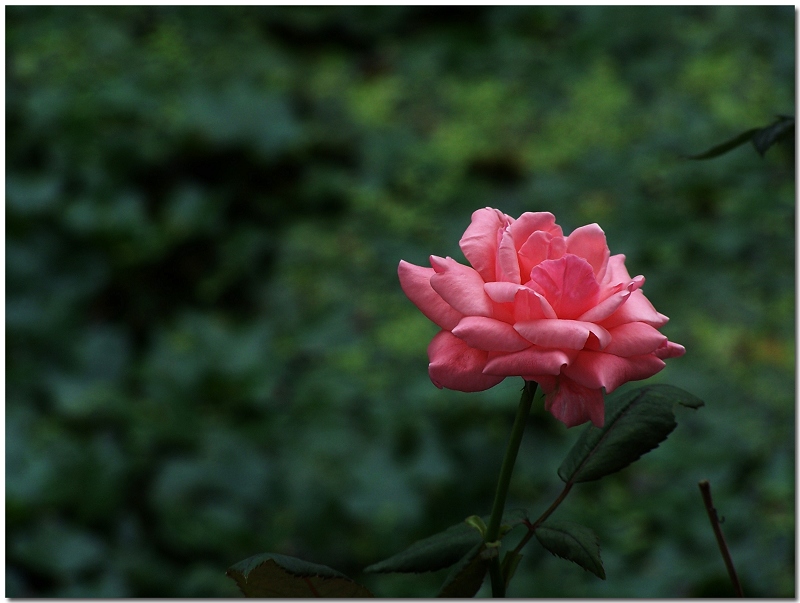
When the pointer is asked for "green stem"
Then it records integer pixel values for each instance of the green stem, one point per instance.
(493, 529)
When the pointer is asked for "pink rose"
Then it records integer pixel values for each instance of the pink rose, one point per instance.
(557, 310)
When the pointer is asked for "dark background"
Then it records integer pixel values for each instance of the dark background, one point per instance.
(208, 354)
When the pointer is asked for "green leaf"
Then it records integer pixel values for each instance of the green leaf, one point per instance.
(509, 566)
(271, 575)
(573, 542)
(432, 553)
(726, 146)
(636, 422)
(782, 129)
(467, 575)
(762, 138)
(443, 549)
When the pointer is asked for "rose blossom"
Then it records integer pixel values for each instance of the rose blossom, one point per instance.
(557, 310)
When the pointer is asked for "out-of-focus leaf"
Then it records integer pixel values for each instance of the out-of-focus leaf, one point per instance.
(762, 138)
(509, 566)
(271, 575)
(726, 146)
(781, 129)
(443, 549)
(636, 422)
(433, 553)
(573, 542)
(467, 575)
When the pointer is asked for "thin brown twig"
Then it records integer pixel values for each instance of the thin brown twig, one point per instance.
(532, 526)
(310, 585)
(705, 490)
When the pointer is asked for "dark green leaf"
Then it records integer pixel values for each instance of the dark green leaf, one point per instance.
(726, 146)
(762, 138)
(467, 575)
(511, 519)
(433, 553)
(271, 575)
(782, 129)
(443, 549)
(636, 422)
(509, 566)
(573, 542)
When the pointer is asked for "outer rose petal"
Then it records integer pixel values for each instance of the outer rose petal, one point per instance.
(589, 242)
(416, 284)
(533, 361)
(489, 334)
(460, 286)
(634, 339)
(479, 242)
(573, 404)
(616, 272)
(637, 308)
(569, 334)
(615, 299)
(598, 369)
(568, 284)
(670, 350)
(455, 365)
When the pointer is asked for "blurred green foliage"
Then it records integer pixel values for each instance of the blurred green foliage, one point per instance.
(208, 354)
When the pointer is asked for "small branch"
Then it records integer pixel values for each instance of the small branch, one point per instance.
(542, 518)
(705, 491)
(553, 507)
(314, 591)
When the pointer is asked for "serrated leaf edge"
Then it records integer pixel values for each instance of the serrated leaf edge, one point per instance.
(462, 565)
(602, 571)
(511, 519)
(619, 415)
(270, 558)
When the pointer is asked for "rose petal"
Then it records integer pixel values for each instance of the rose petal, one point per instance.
(634, 339)
(573, 404)
(533, 361)
(670, 350)
(558, 333)
(479, 242)
(636, 308)
(598, 369)
(416, 284)
(558, 247)
(533, 222)
(606, 307)
(589, 242)
(502, 292)
(568, 284)
(489, 334)
(455, 365)
(460, 286)
(533, 252)
(546, 382)
(529, 305)
(507, 268)
(616, 273)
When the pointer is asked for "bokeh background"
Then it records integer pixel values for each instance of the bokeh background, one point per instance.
(208, 354)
